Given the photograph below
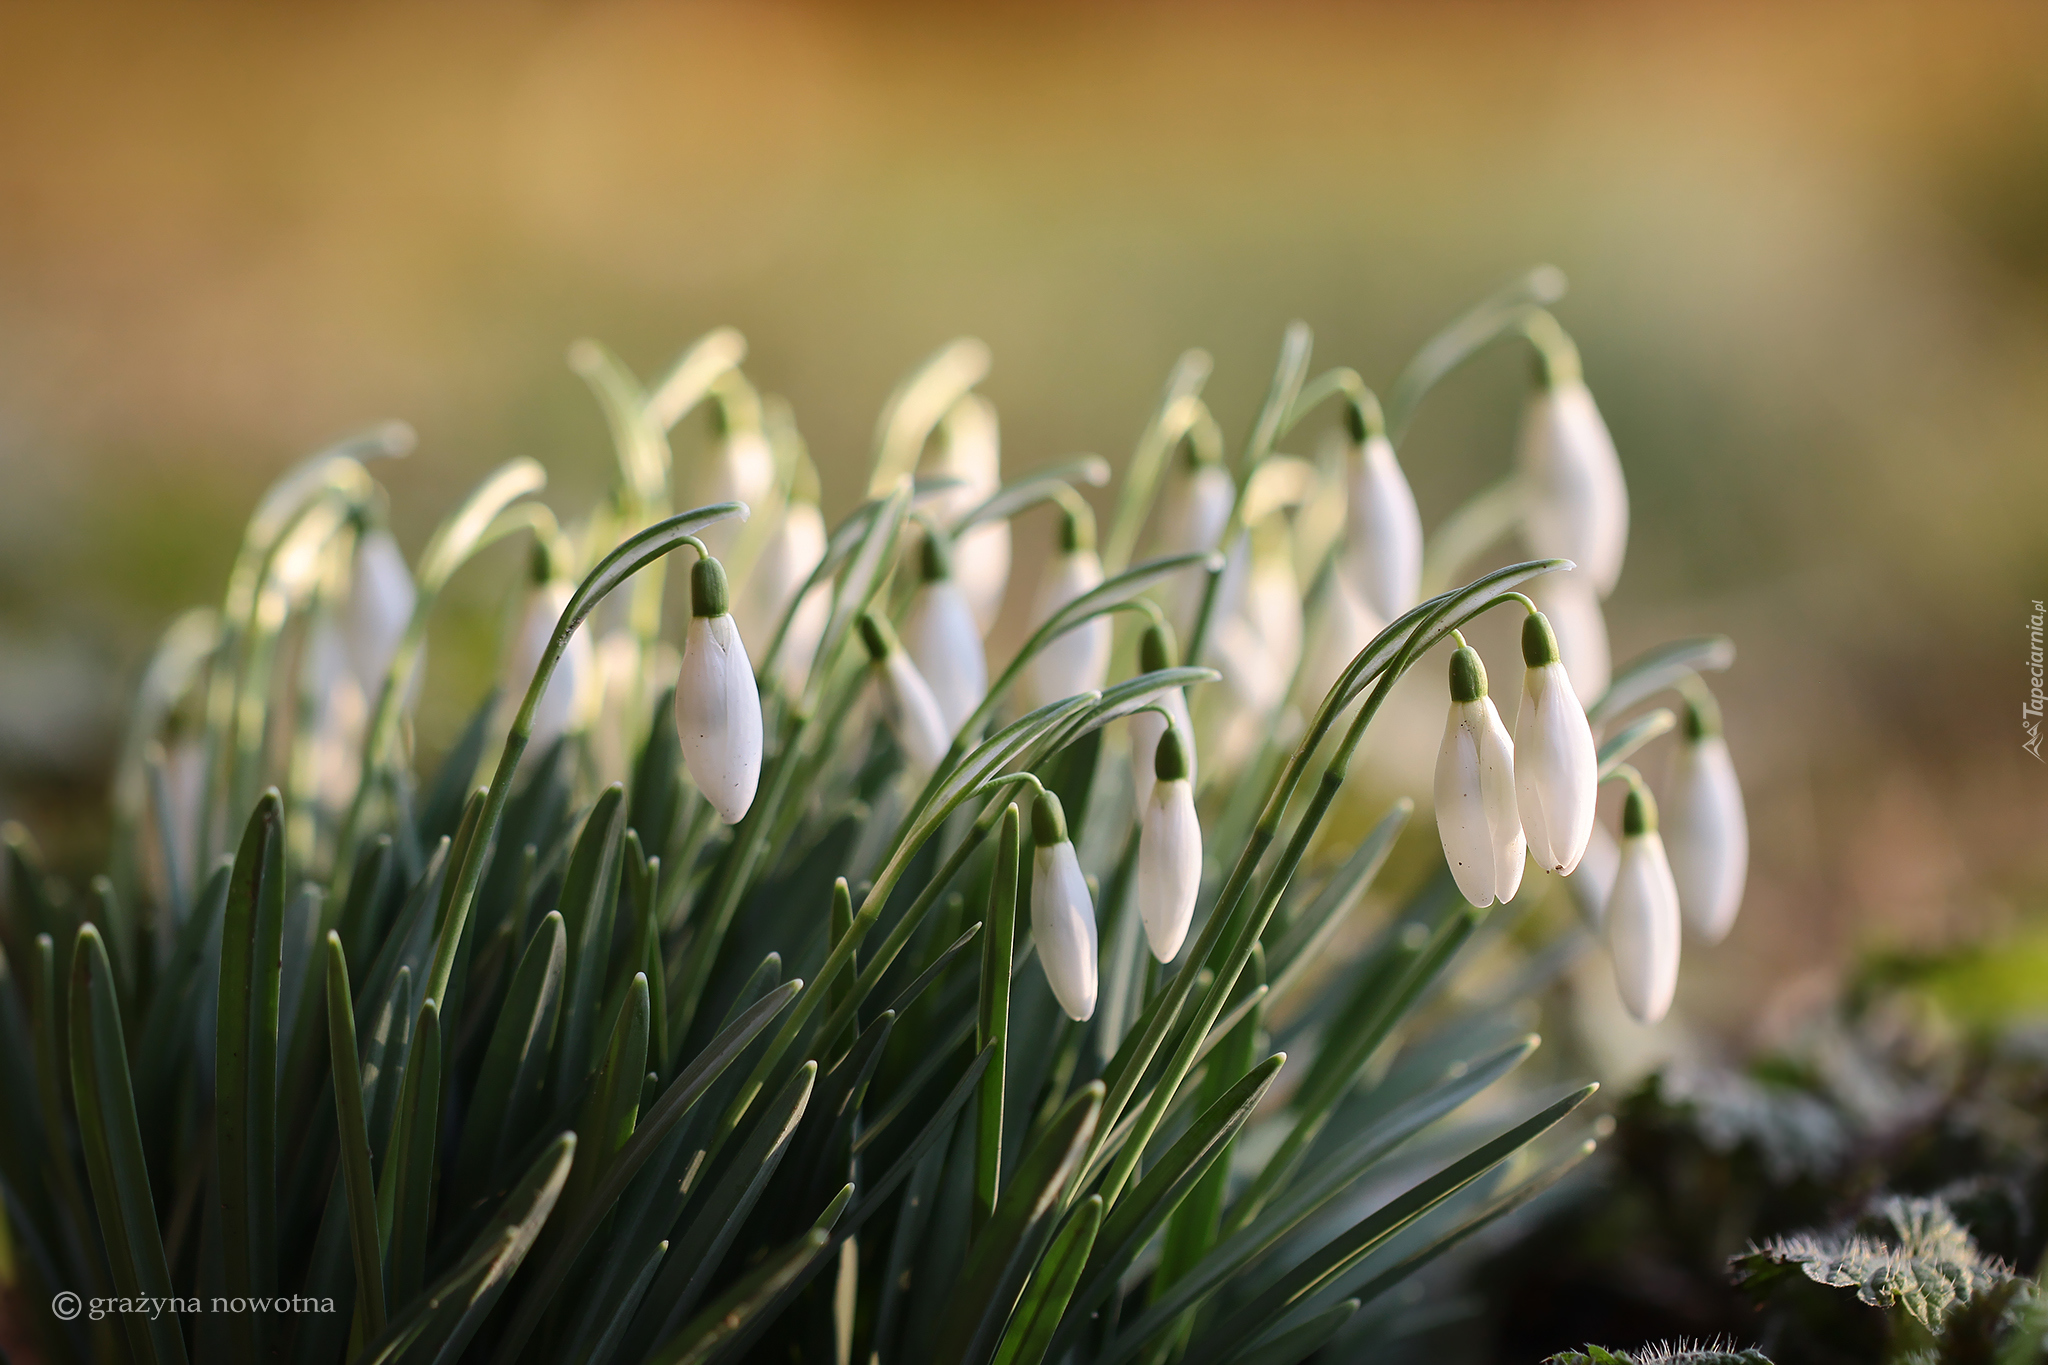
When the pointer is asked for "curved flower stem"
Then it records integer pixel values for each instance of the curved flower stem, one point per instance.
(918, 405)
(1344, 380)
(632, 555)
(690, 378)
(1180, 410)
(1480, 325)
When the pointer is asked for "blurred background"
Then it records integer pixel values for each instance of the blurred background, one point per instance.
(1808, 247)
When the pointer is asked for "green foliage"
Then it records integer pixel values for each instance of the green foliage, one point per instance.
(557, 1066)
(1905, 1253)
(1670, 1353)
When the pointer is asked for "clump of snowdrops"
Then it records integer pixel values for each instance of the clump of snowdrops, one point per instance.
(773, 974)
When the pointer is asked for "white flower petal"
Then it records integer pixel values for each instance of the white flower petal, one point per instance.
(969, 449)
(1078, 660)
(1707, 834)
(739, 467)
(1063, 928)
(1578, 500)
(381, 599)
(1383, 530)
(572, 691)
(1345, 625)
(718, 716)
(1592, 881)
(913, 714)
(1557, 770)
(942, 639)
(1475, 804)
(788, 555)
(1581, 630)
(1643, 927)
(1193, 512)
(1169, 866)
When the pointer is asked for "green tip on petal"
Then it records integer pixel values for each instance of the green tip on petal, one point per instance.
(1539, 641)
(709, 594)
(1048, 821)
(1156, 650)
(1075, 535)
(1170, 760)
(1639, 816)
(1702, 718)
(935, 561)
(1354, 423)
(876, 635)
(540, 565)
(1468, 675)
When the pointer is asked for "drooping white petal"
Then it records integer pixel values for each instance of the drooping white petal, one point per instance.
(340, 719)
(806, 631)
(1063, 928)
(912, 713)
(1592, 881)
(1169, 866)
(1382, 529)
(718, 716)
(941, 636)
(1643, 927)
(571, 698)
(381, 598)
(1557, 771)
(1581, 630)
(1146, 728)
(981, 566)
(1193, 511)
(1257, 636)
(969, 450)
(1707, 836)
(738, 467)
(1344, 626)
(1475, 803)
(1578, 500)
(1078, 660)
(788, 555)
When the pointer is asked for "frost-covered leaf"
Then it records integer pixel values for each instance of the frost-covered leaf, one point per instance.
(1664, 1353)
(1905, 1252)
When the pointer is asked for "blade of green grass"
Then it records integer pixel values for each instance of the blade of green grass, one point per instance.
(355, 1139)
(992, 1017)
(511, 1086)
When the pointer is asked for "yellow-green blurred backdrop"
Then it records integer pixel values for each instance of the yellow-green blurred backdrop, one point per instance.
(1808, 246)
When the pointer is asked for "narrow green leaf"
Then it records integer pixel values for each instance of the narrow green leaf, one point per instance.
(409, 1163)
(589, 893)
(112, 1139)
(245, 1067)
(1617, 748)
(1052, 1286)
(730, 1313)
(511, 1086)
(1298, 1344)
(1005, 1252)
(1303, 943)
(623, 1315)
(613, 1104)
(992, 1017)
(1650, 673)
(355, 1139)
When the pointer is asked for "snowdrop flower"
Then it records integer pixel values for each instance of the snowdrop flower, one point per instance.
(1703, 814)
(1592, 882)
(718, 707)
(911, 711)
(381, 598)
(1155, 654)
(1475, 789)
(573, 690)
(942, 639)
(738, 467)
(1578, 501)
(1642, 914)
(1062, 916)
(789, 554)
(1078, 659)
(1193, 512)
(1344, 627)
(1258, 634)
(1557, 773)
(1382, 528)
(1581, 630)
(968, 449)
(1169, 851)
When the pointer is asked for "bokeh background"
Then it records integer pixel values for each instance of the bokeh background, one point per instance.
(1808, 246)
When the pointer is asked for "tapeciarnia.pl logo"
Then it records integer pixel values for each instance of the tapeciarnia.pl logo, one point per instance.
(2030, 710)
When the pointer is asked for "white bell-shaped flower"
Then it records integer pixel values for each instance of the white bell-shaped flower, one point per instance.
(718, 706)
(1577, 505)
(1156, 653)
(1194, 509)
(1062, 914)
(1475, 790)
(969, 449)
(1382, 528)
(1642, 914)
(1581, 629)
(739, 466)
(1259, 621)
(1169, 851)
(942, 639)
(1592, 881)
(1344, 626)
(1706, 826)
(908, 707)
(789, 553)
(1557, 771)
(381, 599)
(572, 696)
(1077, 660)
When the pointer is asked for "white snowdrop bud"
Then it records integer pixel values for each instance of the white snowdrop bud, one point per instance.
(718, 706)
(381, 598)
(1557, 772)
(1194, 508)
(1062, 916)
(1382, 528)
(912, 714)
(788, 556)
(1642, 915)
(572, 693)
(1077, 660)
(1708, 828)
(969, 449)
(1169, 852)
(1581, 630)
(942, 639)
(1577, 499)
(739, 466)
(1475, 790)
(1592, 881)
(1156, 653)
(1257, 642)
